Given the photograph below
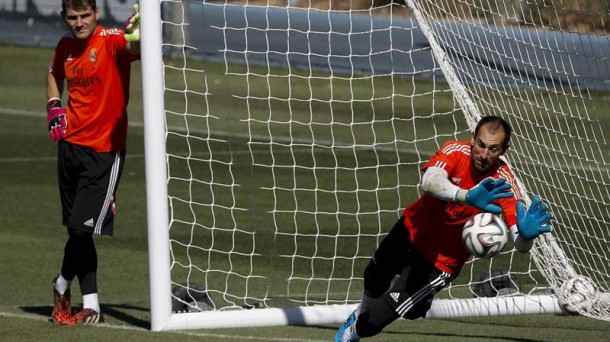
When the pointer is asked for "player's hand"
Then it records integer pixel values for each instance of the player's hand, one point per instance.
(535, 221)
(132, 27)
(489, 190)
(56, 118)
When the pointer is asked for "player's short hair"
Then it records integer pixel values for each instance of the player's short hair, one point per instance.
(495, 123)
(77, 4)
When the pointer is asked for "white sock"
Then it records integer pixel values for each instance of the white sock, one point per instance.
(61, 284)
(90, 301)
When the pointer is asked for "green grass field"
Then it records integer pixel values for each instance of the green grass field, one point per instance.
(32, 238)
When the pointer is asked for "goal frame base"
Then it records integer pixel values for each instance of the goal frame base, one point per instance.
(330, 314)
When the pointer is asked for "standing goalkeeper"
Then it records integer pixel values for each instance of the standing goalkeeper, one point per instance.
(94, 63)
(425, 247)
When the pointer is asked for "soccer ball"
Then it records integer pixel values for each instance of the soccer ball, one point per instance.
(485, 235)
(576, 294)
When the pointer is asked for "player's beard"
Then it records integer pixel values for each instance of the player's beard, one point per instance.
(481, 164)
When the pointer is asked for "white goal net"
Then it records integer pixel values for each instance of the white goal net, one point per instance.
(285, 138)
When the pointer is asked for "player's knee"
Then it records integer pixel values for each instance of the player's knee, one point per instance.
(77, 233)
(80, 243)
(420, 310)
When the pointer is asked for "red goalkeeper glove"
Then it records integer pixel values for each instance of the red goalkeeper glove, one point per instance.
(132, 27)
(56, 117)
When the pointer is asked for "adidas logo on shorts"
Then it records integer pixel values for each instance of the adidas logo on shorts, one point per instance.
(395, 296)
(89, 223)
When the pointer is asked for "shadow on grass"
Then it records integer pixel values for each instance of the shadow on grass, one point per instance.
(414, 335)
(116, 311)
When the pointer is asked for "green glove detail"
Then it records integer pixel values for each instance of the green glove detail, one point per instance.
(132, 28)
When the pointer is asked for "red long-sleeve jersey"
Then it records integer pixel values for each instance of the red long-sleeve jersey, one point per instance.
(97, 74)
(436, 225)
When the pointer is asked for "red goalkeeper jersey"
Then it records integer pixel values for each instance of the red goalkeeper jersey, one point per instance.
(97, 74)
(435, 225)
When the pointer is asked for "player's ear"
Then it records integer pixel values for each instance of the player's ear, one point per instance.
(97, 13)
(505, 149)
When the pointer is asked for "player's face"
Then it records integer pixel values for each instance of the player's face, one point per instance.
(487, 148)
(82, 22)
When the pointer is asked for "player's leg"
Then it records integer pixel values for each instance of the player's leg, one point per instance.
(62, 309)
(86, 266)
(66, 172)
(410, 297)
(388, 261)
(390, 258)
(92, 213)
(82, 261)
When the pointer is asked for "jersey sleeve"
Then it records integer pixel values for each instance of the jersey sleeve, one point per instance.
(445, 157)
(57, 62)
(119, 44)
(505, 172)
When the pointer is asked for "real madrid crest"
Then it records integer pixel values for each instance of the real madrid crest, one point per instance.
(93, 55)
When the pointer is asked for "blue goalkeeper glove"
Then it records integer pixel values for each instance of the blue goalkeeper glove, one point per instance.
(535, 221)
(489, 190)
(56, 118)
(132, 27)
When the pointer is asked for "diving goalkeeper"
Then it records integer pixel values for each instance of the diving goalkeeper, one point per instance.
(425, 247)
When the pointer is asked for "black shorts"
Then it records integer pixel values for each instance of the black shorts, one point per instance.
(418, 280)
(88, 181)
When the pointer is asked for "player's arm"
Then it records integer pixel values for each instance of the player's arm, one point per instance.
(133, 48)
(132, 31)
(521, 244)
(436, 183)
(55, 86)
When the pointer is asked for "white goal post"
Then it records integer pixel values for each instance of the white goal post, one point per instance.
(283, 140)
